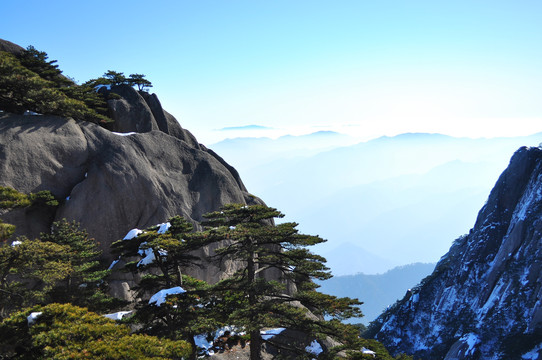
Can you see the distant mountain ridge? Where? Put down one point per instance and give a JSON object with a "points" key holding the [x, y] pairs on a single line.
{"points": [[483, 299], [418, 189], [262, 148], [377, 291], [246, 127]]}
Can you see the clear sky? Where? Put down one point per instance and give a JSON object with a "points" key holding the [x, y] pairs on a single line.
{"points": [[369, 68]]}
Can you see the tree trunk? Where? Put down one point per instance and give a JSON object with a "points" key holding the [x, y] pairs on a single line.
{"points": [[255, 345], [255, 337], [163, 268]]}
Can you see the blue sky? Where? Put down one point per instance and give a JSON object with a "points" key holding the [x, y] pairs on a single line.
{"points": [[367, 68]]}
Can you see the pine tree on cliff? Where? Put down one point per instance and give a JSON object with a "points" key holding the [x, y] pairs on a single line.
{"points": [[23, 89], [139, 81], [9, 199], [37, 62], [61, 266], [115, 77], [85, 285], [160, 253], [279, 251], [25, 261], [12, 199]]}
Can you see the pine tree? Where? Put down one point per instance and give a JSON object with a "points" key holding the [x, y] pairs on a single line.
{"points": [[115, 77], [253, 240], [90, 97], [9, 199], [12, 199], [36, 61], [159, 254], [85, 284], [26, 262], [139, 81], [6, 230], [166, 249], [22, 89], [64, 331], [62, 266], [29, 269]]}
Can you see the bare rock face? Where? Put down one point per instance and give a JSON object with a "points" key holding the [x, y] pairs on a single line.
{"points": [[10, 47], [141, 112], [483, 299], [111, 182], [131, 113]]}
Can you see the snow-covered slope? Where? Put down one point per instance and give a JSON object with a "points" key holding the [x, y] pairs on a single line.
{"points": [[484, 299]]}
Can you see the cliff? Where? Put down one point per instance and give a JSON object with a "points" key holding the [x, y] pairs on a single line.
{"points": [[483, 301], [144, 171]]}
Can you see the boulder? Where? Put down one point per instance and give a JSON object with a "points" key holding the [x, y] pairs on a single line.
{"points": [[112, 183]]}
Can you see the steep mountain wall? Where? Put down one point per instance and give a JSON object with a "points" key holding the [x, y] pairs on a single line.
{"points": [[112, 182], [484, 299]]}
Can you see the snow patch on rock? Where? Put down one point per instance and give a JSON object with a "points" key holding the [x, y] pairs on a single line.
{"points": [[33, 317], [118, 315], [160, 297]]}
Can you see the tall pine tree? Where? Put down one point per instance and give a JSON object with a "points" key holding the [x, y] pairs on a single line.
{"points": [[85, 284], [180, 307], [29, 269], [281, 252], [139, 81]]}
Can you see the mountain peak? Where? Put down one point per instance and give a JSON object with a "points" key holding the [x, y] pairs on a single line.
{"points": [[483, 299]]}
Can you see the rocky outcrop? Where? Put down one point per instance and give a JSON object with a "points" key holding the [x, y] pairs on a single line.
{"points": [[145, 172], [10, 47], [141, 112], [483, 300], [131, 112]]}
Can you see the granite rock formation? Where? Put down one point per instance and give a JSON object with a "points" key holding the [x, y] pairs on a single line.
{"points": [[10, 47], [144, 172]]}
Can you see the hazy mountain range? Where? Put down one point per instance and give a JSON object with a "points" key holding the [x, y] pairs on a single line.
{"points": [[406, 198], [376, 291]]}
